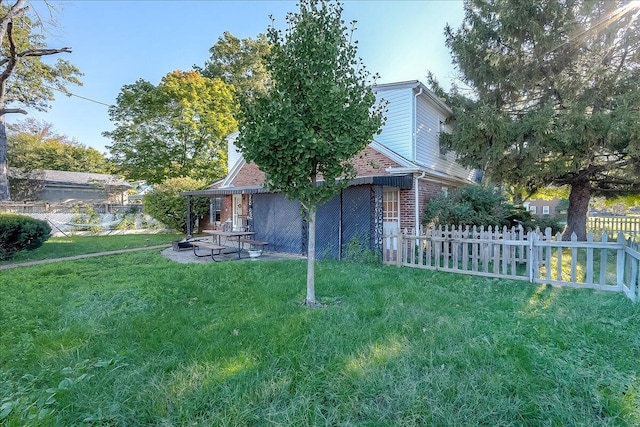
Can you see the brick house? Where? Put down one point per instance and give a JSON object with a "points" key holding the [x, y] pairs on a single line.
{"points": [[396, 173]]}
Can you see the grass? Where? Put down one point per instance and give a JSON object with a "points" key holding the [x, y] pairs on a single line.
{"points": [[137, 340], [60, 247]]}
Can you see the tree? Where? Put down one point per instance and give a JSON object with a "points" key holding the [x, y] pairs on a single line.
{"points": [[239, 62], [318, 113], [555, 97], [24, 78], [165, 204], [26, 184], [35, 145], [174, 129]]}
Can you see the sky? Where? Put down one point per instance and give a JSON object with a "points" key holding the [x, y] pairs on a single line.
{"points": [[116, 42]]}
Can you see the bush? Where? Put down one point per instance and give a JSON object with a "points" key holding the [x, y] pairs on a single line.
{"points": [[85, 213], [165, 204], [474, 205], [19, 232]]}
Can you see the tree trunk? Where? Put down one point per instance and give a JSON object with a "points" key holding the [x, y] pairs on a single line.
{"points": [[4, 166], [311, 258], [578, 208]]}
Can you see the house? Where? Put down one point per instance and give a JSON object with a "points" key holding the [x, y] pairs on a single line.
{"points": [[63, 187], [397, 172], [544, 207]]}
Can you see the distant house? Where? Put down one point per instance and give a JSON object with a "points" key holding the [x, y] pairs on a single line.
{"points": [[543, 207], [396, 173], [62, 187]]}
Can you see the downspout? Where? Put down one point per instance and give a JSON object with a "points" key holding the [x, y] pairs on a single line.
{"points": [[416, 181], [415, 124], [415, 158]]}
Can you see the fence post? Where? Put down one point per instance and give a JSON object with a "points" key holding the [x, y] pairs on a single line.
{"points": [[400, 249], [532, 256], [620, 258]]}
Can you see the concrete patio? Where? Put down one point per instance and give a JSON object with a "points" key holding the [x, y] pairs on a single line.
{"points": [[186, 256]]}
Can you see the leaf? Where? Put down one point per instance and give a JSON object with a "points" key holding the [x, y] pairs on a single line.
{"points": [[6, 408], [65, 384]]}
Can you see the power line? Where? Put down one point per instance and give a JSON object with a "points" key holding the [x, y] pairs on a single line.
{"points": [[68, 93]]}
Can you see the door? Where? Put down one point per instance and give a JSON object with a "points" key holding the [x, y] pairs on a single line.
{"points": [[237, 211], [391, 215]]}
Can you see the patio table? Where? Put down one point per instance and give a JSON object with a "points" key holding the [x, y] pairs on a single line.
{"points": [[235, 236]]}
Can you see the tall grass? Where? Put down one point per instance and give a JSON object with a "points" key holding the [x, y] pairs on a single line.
{"points": [[136, 340]]}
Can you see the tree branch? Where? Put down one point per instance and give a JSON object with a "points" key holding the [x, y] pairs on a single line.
{"points": [[15, 11], [12, 61], [43, 52], [4, 111]]}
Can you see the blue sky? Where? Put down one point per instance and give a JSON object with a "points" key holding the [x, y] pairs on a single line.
{"points": [[116, 42]]}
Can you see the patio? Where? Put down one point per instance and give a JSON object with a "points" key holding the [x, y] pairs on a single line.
{"points": [[186, 256]]}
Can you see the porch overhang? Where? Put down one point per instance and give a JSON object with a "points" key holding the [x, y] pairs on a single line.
{"points": [[403, 182], [226, 191]]}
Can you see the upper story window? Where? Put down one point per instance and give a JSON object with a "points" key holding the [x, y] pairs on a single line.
{"points": [[545, 210]]}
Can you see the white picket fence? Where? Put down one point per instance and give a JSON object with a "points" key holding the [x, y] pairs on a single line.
{"points": [[514, 254], [629, 226]]}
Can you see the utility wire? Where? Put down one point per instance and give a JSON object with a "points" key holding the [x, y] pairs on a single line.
{"points": [[66, 91]]}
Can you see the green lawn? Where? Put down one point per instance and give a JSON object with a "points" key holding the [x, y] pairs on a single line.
{"points": [[59, 247], [137, 340]]}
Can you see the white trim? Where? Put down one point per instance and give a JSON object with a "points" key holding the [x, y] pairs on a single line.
{"points": [[233, 173], [392, 155], [413, 84]]}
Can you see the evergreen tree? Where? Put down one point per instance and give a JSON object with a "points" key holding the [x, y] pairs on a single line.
{"points": [[555, 97]]}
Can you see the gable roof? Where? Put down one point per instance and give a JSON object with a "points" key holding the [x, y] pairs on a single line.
{"points": [[414, 84], [53, 177]]}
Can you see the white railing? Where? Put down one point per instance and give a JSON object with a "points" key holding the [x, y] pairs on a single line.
{"points": [[514, 254]]}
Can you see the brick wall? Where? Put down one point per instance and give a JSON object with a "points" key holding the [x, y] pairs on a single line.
{"points": [[249, 175], [368, 162], [371, 162], [426, 190]]}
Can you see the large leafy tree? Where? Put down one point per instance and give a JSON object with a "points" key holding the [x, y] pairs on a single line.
{"points": [[165, 204], [240, 62], [35, 145], [555, 97], [25, 80], [174, 129], [318, 113]]}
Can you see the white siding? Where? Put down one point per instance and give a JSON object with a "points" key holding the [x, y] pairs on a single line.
{"points": [[429, 117], [397, 131], [233, 155]]}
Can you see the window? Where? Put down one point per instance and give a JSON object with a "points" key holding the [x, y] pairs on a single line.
{"points": [[533, 209], [545, 210], [445, 191], [215, 208], [391, 205]]}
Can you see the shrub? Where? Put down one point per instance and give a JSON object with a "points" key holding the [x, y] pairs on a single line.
{"points": [[19, 232], [165, 204], [474, 205], [85, 213]]}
